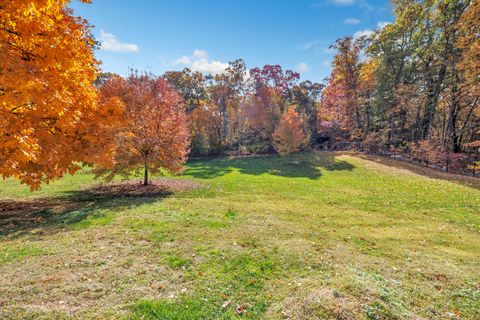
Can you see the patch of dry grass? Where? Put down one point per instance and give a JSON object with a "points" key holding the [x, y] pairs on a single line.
{"points": [[419, 169]]}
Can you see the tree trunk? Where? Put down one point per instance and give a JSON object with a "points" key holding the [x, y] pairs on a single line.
{"points": [[448, 160], [434, 90], [145, 175], [313, 127]]}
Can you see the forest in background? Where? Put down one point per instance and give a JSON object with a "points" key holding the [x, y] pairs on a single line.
{"points": [[410, 89]]}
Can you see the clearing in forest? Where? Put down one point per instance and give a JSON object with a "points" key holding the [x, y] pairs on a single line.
{"points": [[314, 235]]}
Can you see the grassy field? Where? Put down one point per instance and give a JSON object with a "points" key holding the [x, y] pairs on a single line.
{"points": [[314, 236]]}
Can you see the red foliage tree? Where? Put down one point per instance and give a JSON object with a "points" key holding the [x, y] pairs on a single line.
{"points": [[154, 134], [272, 76], [340, 97]]}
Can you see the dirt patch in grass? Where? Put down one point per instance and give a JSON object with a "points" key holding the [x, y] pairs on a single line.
{"points": [[320, 303], [131, 188]]}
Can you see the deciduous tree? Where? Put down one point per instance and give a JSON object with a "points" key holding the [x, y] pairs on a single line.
{"points": [[154, 134], [49, 116], [190, 84], [340, 99], [288, 136]]}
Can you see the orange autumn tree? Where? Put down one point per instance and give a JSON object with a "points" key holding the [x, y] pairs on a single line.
{"points": [[288, 136], [154, 133], [49, 116], [469, 43], [340, 99]]}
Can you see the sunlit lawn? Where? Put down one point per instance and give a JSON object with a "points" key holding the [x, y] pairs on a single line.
{"points": [[314, 236]]}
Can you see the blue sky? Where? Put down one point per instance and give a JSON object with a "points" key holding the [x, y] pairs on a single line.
{"points": [[204, 35]]}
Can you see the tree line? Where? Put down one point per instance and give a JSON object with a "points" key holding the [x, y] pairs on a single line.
{"points": [[238, 111], [412, 88]]}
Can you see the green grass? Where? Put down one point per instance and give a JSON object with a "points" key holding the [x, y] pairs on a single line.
{"points": [[314, 236]]}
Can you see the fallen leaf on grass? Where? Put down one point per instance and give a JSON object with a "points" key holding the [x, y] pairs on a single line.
{"points": [[240, 309]]}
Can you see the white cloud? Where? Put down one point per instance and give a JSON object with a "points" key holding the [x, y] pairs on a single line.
{"points": [[199, 61], [213, 67], [109, 42], [302, 67], [200, 54], [367, 7], [343, 2], [363, 4], [309, 45], [369, 32], [363, 33], [351, 21], [382, 24], [182, 60]]}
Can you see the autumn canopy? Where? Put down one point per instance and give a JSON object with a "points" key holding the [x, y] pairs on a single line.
{"points": [[49, 116], [152, 134], [410, 87]]}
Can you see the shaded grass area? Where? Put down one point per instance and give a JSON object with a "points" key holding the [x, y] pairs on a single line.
{"points": [[83, 207], [288, 167], [313, 236]]}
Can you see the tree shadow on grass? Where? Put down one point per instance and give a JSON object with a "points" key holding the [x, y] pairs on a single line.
{"points": [[302, 165], [21, 216]]}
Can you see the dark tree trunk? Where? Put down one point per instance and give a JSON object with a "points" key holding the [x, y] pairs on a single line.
{"points": [[313, 127], [145, 175], [452, 128], [434, 90], [452, 121]]}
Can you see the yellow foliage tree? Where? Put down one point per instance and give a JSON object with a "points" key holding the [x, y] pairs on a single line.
{"points": [[49, 115]]}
